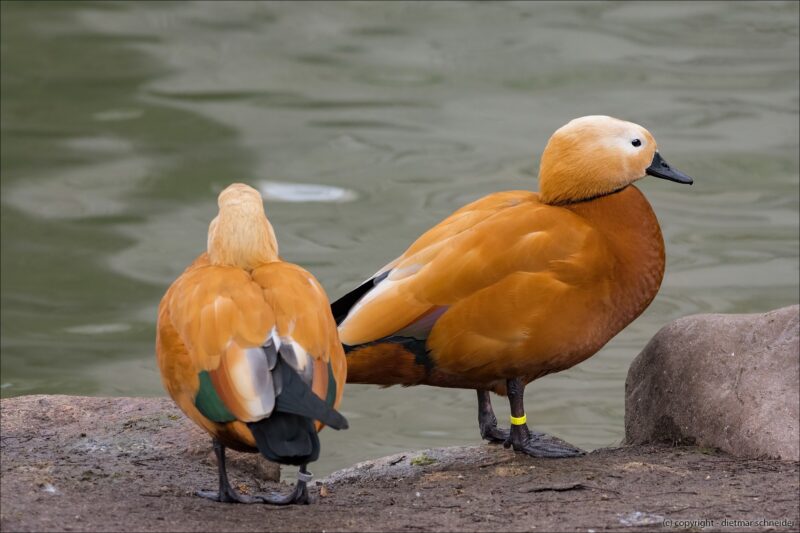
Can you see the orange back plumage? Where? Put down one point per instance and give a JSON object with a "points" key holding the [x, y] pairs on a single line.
{"points": [[234, 316]]}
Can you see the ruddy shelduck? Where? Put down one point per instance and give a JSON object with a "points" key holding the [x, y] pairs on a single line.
{"points": [[519, 284], [248, 348]]}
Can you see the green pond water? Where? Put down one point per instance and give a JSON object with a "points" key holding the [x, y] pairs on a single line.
{"points": [[364, 124]]}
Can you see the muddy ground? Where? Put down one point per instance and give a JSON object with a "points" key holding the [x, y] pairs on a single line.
{"points": [[132, 464]]}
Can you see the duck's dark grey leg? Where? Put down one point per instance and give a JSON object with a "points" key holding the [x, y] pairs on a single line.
{"points": [[487, 422], [522, 439], [226, 493]]}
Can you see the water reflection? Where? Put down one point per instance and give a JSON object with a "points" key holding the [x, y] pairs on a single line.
{"points": [[280, 191]]}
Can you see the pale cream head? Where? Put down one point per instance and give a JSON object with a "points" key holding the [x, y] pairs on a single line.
{"points": [[240, 194], [593, 156], [241, 235]]}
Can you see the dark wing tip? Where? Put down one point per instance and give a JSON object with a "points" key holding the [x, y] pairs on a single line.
{"points": [[341, 307], [336, 420], [298, 398]]}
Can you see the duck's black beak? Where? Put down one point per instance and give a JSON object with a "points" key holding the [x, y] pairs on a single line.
{"points": [[660, 169]]}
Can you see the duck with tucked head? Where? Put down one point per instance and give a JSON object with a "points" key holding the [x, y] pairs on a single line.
{"points": [[248, 349], [519, 284]]}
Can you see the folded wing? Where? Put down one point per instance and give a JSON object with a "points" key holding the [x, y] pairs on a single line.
{"points": [[256, 343], [482, 245]]}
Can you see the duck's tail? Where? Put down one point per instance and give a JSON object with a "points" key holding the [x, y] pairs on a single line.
{"points": [[289, 435], [287, 438]]}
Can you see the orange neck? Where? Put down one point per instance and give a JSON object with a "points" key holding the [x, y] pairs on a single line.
{"points": [[628, 222]]}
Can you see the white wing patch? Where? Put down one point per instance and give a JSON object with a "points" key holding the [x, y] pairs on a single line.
{"points": [[297, 357], [247, 373], [263, 401], [276, 339], [384, 286]]}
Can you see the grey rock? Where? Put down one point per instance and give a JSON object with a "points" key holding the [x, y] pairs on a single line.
{"points": [[725, 381]]}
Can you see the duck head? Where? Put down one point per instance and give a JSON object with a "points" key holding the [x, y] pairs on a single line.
{"points": [[241, 235], [595, 156]]}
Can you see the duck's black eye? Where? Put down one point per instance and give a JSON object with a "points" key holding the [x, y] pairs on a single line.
{"points": [[636, 142]]}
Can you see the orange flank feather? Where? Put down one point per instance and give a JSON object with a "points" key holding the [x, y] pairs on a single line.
{"points": [[244, 338], [518, 284]]}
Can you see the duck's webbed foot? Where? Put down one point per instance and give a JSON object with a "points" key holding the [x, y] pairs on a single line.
{"points": [[298, 496], [538, 444], [494, 434], [228, 494], [533, 443]]}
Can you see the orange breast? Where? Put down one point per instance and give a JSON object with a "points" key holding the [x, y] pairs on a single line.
{"points": [[534, 323]]}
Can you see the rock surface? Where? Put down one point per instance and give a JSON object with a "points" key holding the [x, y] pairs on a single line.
{"points": [[133, 464], [726, 381]]}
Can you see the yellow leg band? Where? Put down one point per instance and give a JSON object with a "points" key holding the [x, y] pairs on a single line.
{"points": [[518, 420]]}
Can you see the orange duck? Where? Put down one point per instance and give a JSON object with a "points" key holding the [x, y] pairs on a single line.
{"points": [[519, 284], [248, 349]]}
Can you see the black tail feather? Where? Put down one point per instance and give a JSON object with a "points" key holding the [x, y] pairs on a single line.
{"points": [[286, 438]]}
